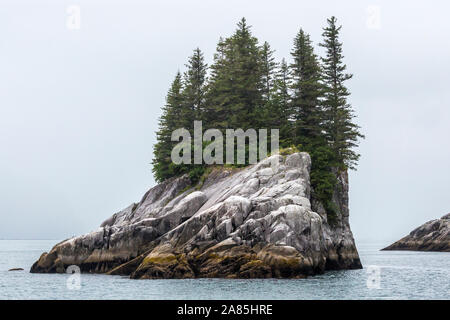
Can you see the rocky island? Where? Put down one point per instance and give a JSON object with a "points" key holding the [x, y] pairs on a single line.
{"points": [[250, 222], [434, 235]]}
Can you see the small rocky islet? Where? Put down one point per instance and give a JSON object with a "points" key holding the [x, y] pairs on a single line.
{"points": [[254, 222], [433, 235]]}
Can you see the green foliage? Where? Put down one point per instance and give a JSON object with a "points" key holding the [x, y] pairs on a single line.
{"points": [[245, 87], [289, 150], [194, 90], [342, 133], [195, 173], [307, 89], [309, 130], [277, 110], [234, 95], [323, 180], [168, 122], [185, 103], [268, 67]]}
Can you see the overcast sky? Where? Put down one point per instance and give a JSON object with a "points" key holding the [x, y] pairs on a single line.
{"points": [[79, 108]]}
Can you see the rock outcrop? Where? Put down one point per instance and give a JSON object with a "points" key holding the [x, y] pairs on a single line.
{"points": [[431, 236], [237, 223]]}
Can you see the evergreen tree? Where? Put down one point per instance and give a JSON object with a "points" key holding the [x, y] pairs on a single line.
{"points": [[235, 95], [307, 90], [310, 118], [169, 121], [278, 111], [194, 90], [342, 133], [268, 67], [216, 113], [283, 82], [248, 89]]}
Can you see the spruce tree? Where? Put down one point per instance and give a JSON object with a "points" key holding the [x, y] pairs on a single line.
{"points": [[169, 121], [342, 133], [246, 77], [235, 95], [247, 89], [218, 88], [307, 90], [309, 120], [194, 90], [278, 111], [268, 67]]}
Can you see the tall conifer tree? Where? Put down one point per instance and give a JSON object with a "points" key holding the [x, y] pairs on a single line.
{"points": [[268, 67], [278, 111], [307, 90], [343, 133], [216, 111], [194, 90], [247, 89], [169, 121], [310, 118], [235, 95]]}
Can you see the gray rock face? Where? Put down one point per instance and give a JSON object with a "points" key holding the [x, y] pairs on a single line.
{"points": [[431, 236], [248, 223]]}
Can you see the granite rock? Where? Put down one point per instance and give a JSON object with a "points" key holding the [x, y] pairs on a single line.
{"points": [[254, 222], [434, 235]]}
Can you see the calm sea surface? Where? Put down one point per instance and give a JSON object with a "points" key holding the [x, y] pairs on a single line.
{"points": [[386, 275]]}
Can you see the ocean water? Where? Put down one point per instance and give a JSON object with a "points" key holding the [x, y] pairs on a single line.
{"points": [[386, 275]]}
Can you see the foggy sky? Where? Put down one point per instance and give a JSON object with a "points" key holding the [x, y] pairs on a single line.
{"points": [[79, 108]]}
